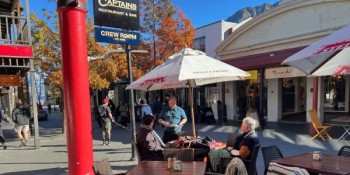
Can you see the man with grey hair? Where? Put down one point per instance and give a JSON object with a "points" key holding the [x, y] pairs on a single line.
{"points": [[21, 117], [245, 143], [243, 146]]}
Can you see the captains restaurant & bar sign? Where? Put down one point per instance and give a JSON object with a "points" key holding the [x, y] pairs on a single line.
{"points": [[122, 14]]}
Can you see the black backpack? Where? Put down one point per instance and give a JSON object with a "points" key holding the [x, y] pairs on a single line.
{"points": [[102, 112]]}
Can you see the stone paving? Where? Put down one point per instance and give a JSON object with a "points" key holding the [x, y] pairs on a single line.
{"points": [[51, 158]]}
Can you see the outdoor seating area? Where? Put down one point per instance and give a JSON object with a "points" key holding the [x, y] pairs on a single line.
{"points": [[273, 158]]}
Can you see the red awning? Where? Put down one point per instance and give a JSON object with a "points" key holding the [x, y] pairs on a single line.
{"points": [[264, 60]]}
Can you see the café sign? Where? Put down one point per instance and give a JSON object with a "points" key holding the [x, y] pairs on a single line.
{"points": [[117, 36], [122, 14], [283, 72]]}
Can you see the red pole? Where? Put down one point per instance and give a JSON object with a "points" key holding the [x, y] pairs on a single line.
{"points": [[76, 87]]}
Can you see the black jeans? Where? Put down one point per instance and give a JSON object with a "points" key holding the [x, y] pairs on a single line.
{"points": [[2, 138]]}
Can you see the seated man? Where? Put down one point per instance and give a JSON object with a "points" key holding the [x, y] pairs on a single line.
{"points": [[243, 146], [149, 144]]}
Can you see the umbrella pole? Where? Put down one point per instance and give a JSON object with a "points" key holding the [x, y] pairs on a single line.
{"points": [[192, 112]]}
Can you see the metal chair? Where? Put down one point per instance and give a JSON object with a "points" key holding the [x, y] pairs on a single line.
{"points": [[344, 151], [270, 153], [186, 154]]}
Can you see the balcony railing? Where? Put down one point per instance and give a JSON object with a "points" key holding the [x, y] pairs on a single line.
{"points": [[14, 30]]}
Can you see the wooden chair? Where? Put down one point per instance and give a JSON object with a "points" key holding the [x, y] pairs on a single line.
{"points": [[186, 154], [321, 130], [270, 153], [344, 151], [103, 167], [252, 161]]}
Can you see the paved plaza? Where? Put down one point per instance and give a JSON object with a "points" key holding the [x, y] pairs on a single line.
{"points": [[51, 158]]}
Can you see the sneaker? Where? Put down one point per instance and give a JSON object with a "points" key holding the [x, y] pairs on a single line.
{"points": [[5, 147], [107, 143], [103, 143], [25, 143], [20, 145]]}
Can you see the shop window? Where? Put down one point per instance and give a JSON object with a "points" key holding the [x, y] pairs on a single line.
{"points": [[334, 93], [199, 44]]}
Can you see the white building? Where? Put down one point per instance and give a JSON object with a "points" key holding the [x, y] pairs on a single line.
{"points": [[260, 46], [207, 38]]}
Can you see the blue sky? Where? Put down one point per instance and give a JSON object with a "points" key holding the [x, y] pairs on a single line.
{"points": [[200, 12]]}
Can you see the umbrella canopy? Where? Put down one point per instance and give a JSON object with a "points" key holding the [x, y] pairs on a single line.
{"points": [[188, 68], [329, 56]]}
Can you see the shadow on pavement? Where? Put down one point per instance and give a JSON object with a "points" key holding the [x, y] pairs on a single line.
{"points": [[56, 171]]}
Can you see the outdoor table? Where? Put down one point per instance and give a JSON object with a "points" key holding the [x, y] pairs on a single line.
{"points": [[160, 167], [329, 164], [345, 123], [200, 153]]}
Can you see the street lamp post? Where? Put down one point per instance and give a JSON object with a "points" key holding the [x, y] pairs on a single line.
{"points": [[128, 52]]}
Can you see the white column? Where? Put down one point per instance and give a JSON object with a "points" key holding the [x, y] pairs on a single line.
{"points": [[309, 96], [229, 100], [274, 100]]}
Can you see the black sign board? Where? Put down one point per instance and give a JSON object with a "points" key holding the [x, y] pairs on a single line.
{"points": [[117, 36], [122, 14]]}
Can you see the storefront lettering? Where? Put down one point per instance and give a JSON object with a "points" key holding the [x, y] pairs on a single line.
{"points": [[334, 47], [283, 72], [118, 4]]}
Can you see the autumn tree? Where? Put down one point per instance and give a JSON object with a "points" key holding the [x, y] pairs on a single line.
{"points": [[165, 30], [46, 45]]}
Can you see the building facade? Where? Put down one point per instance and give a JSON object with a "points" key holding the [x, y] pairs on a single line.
{"points": [[207, 38], [260, 45], [16, 53]]}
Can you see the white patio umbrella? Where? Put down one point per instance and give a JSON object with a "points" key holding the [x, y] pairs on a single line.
{"points": [[186, 69], [329, 56]]}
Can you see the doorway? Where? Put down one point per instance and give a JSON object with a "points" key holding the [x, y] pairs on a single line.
{"points": [[293, 99]]}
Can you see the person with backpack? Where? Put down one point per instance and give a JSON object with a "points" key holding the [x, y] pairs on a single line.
{"points": [[21, 117], [106, 118]]}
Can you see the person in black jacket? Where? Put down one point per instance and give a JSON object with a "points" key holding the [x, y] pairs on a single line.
{"points": [[21, 117]]}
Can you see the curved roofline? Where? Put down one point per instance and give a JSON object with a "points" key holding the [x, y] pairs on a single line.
{"points": [[288, 6]]}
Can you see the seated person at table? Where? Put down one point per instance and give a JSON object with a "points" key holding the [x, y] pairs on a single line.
{"points": [[243, 146], [172, 117], [149, 144]]}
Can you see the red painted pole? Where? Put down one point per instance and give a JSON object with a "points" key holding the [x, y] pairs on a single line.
{"points": [[76, 88]]}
